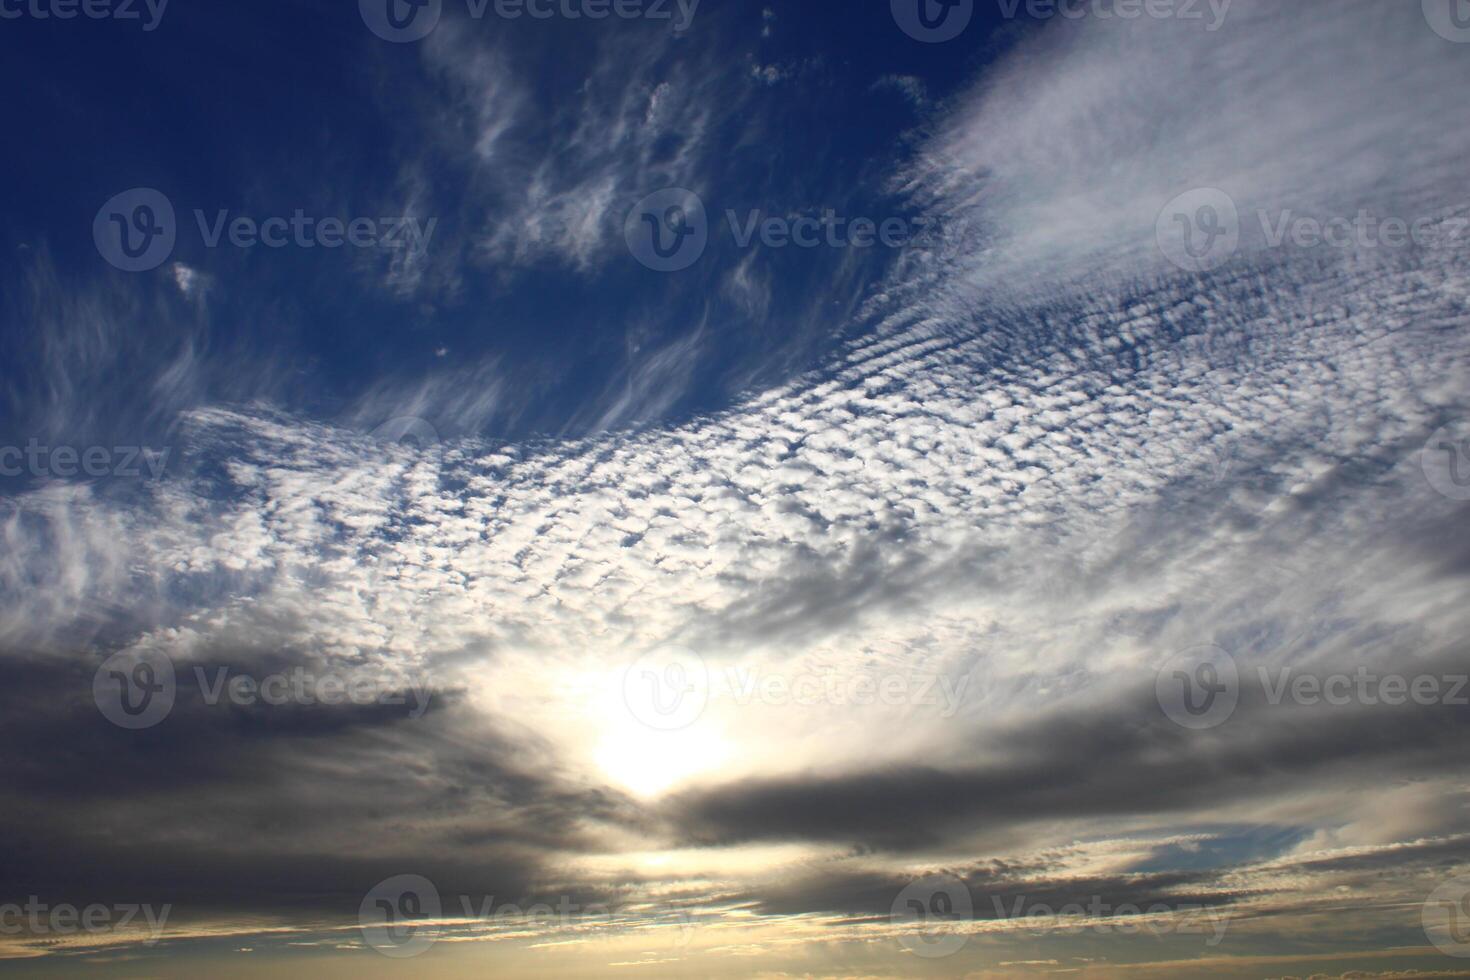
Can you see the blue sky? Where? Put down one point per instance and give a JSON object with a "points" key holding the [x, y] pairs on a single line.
{"points": [[213, 117], [807, 493]]}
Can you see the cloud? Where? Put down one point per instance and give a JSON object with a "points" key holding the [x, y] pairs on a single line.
{"points": [[1007, 470], [640, 122], [1068, 150], [909, 86]]}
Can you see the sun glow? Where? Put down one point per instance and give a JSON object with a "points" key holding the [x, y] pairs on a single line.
{"points": [[648, 762]]}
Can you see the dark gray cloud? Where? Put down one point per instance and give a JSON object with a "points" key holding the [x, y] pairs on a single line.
{"points": [[1046, 463], [262, 808], [1123, 758]]}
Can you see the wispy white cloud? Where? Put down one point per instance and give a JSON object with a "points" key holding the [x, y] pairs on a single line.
{"points": [[1010, 478], [638, 123]]}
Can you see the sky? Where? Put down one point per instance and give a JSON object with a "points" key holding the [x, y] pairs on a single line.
{"points": [[585, 488]]}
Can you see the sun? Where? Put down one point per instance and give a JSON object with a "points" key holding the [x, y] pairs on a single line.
{"points": [[647, 762]]}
